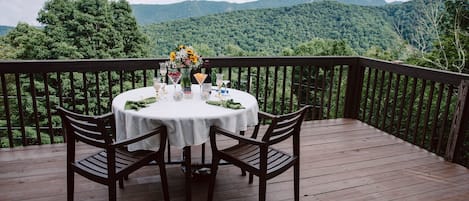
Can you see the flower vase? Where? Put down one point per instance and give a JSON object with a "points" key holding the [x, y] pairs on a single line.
{"points": [[186, 81]]}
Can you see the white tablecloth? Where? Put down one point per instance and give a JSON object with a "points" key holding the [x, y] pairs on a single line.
{"points": [[188, 121]]}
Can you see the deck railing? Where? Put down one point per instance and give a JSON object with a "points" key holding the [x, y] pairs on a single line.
{"points": [[426, 107]]}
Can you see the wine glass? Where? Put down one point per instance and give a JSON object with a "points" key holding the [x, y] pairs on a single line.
{"points": [[225, 83], [163, 72], [200, 77], [219, 82], [157, 85], [174, 76], [163, 68]]}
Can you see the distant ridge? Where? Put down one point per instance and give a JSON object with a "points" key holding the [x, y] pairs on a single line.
{"points": [[5, 29], [269, 31], [147, 14]]}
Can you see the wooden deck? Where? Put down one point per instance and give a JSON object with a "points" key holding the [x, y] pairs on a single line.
{"points": [[341, 159]]}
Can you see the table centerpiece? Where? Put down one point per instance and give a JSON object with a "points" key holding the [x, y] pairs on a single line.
{"points": [[184, 59]]}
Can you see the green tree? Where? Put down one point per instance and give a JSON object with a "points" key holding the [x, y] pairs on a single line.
{"points": [[91, 29], [28, 41], [455, 37], [445, 23], [204, 50], [321, 47], [317, 74], [134, 41], [6, 50]]}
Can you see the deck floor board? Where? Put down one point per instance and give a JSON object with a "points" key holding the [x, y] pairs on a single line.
{"points": [[341, 159]]}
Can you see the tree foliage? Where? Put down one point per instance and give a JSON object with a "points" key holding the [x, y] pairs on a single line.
{"points": [[438, 30], [81, 29], [321, 47], [270, 31], [28, 41], [147, 14]]}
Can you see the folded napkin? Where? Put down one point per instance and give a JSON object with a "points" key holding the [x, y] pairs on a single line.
{"points": [[226, 103], [137, 105]]}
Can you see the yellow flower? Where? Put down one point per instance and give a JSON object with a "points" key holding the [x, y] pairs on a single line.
{"points": [[190, 51], [181, 47], [172, 56], [194, 58]]}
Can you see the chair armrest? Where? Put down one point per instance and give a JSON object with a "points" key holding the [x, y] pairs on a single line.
{"points": [[240, 138], [157, 131], [109, 116], [265, 115]]}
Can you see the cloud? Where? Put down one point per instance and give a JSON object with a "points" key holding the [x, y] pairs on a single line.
{"points": [[12, 12]]}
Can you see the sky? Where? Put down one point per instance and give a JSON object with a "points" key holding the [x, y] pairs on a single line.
{"points": [[14, 11]]}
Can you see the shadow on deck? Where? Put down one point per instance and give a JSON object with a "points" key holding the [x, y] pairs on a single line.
{"points": [[341, 159]]}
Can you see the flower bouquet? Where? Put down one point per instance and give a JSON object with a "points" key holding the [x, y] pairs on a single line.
{"points": [[184, 59]]}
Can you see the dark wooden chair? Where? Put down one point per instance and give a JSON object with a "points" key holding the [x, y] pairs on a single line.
{"points": [[113, 163], [258, 157]]}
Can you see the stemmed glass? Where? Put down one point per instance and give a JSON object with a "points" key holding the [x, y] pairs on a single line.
{"points": [[163, 72], [225, 83], [200, 77], [157, 85], [174, 76], [219, 83]]}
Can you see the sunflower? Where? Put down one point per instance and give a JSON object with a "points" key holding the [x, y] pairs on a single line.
{"points": [[172, 56], [194, 58], [190, 51]]}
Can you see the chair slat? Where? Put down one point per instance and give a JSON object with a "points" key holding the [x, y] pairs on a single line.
{"points": [[95, 131], [248, 154]]}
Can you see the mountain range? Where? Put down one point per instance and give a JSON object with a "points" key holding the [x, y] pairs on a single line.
{"points": [[269, 31], [4, 29], [279, 26], [147, 14]]}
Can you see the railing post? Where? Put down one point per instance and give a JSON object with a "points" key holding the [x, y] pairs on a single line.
{"points": [[458, 126], [356, 73]]}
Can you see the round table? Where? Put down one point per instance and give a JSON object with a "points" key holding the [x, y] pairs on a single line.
{"points": [[188, 121]]}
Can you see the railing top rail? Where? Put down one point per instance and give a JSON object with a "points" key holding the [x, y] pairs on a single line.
{"points": [[436, 75], [78, 65], [282, 61], [94, 65]]}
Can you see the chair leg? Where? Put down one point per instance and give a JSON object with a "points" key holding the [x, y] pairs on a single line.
{"points": [[70, 185], [251, 178], [112, 191], [188, 173], [243, 172], [213, 171], [296, 181], [262, 188], [164, 178], [121, 183]]}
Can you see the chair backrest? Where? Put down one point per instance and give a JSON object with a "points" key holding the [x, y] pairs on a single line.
{"points": [[284, 126], [92, 130]]}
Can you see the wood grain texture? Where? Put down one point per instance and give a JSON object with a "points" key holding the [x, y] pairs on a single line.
{"points": [[341, 159]]}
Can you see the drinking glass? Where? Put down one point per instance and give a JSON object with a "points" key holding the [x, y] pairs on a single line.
{"points": [[206, 88], [219, 82], [225, 83], [163, 68], [157, 85], [200, 77], [174, 76], [163, 71]]}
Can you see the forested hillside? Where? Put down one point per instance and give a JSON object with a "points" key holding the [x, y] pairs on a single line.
{"points": [[404, 18], [270, 31], [147, 14]]}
